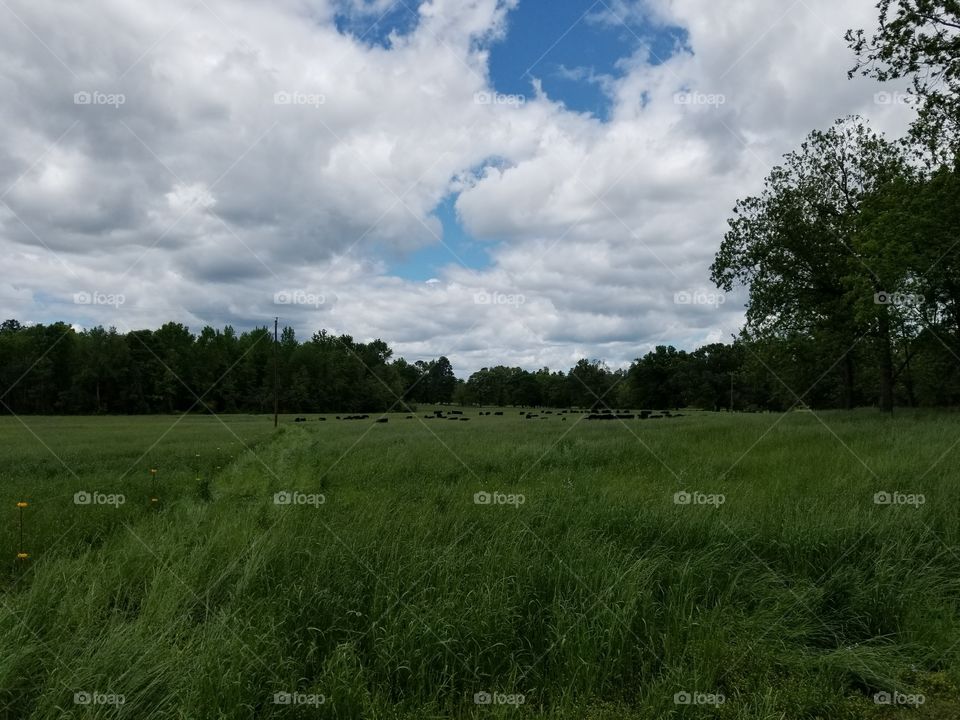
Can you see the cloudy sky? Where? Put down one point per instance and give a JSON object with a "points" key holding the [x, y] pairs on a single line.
{"points": [[523, 182]]}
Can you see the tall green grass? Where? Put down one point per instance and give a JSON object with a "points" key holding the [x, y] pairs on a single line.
{"points": [[46, 461], [400, 597]]}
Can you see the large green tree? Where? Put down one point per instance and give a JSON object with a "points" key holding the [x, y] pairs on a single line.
{"points": [[792, 246]]}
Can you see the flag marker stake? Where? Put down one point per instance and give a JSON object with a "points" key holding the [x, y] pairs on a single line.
{"points": [[21, 554]]}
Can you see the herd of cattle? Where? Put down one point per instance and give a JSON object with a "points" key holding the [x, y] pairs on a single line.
{"points": [[458, 416]]}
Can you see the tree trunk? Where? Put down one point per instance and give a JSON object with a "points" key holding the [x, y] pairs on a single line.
{"points": [[886, 363], [848, 381], [955, 295]]}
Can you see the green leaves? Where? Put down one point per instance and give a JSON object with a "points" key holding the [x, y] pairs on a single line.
{"points": [[919, 40]]}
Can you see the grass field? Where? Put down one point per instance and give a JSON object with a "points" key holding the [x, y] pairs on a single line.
{"points": [[586, 588]]}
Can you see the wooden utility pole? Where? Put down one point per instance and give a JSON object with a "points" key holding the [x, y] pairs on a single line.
{"points": [[276, 376]]}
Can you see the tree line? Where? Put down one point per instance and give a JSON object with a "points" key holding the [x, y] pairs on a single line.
{"points": [[56, 369]]}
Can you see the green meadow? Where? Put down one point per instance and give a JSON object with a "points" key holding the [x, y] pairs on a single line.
{"points": [[750, 567]]}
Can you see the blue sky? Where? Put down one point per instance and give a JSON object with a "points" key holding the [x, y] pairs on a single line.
{"points": [[458, 247], [570, 46], [566, 45]]}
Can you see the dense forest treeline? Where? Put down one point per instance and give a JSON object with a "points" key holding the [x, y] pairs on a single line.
{"points": [[55, 369]]}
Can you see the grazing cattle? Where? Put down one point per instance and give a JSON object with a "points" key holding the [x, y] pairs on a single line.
{"points": [[382, 420], [496, 413]]}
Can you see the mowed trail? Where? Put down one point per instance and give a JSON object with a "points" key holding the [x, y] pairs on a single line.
{"points": [[505, 568]]}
